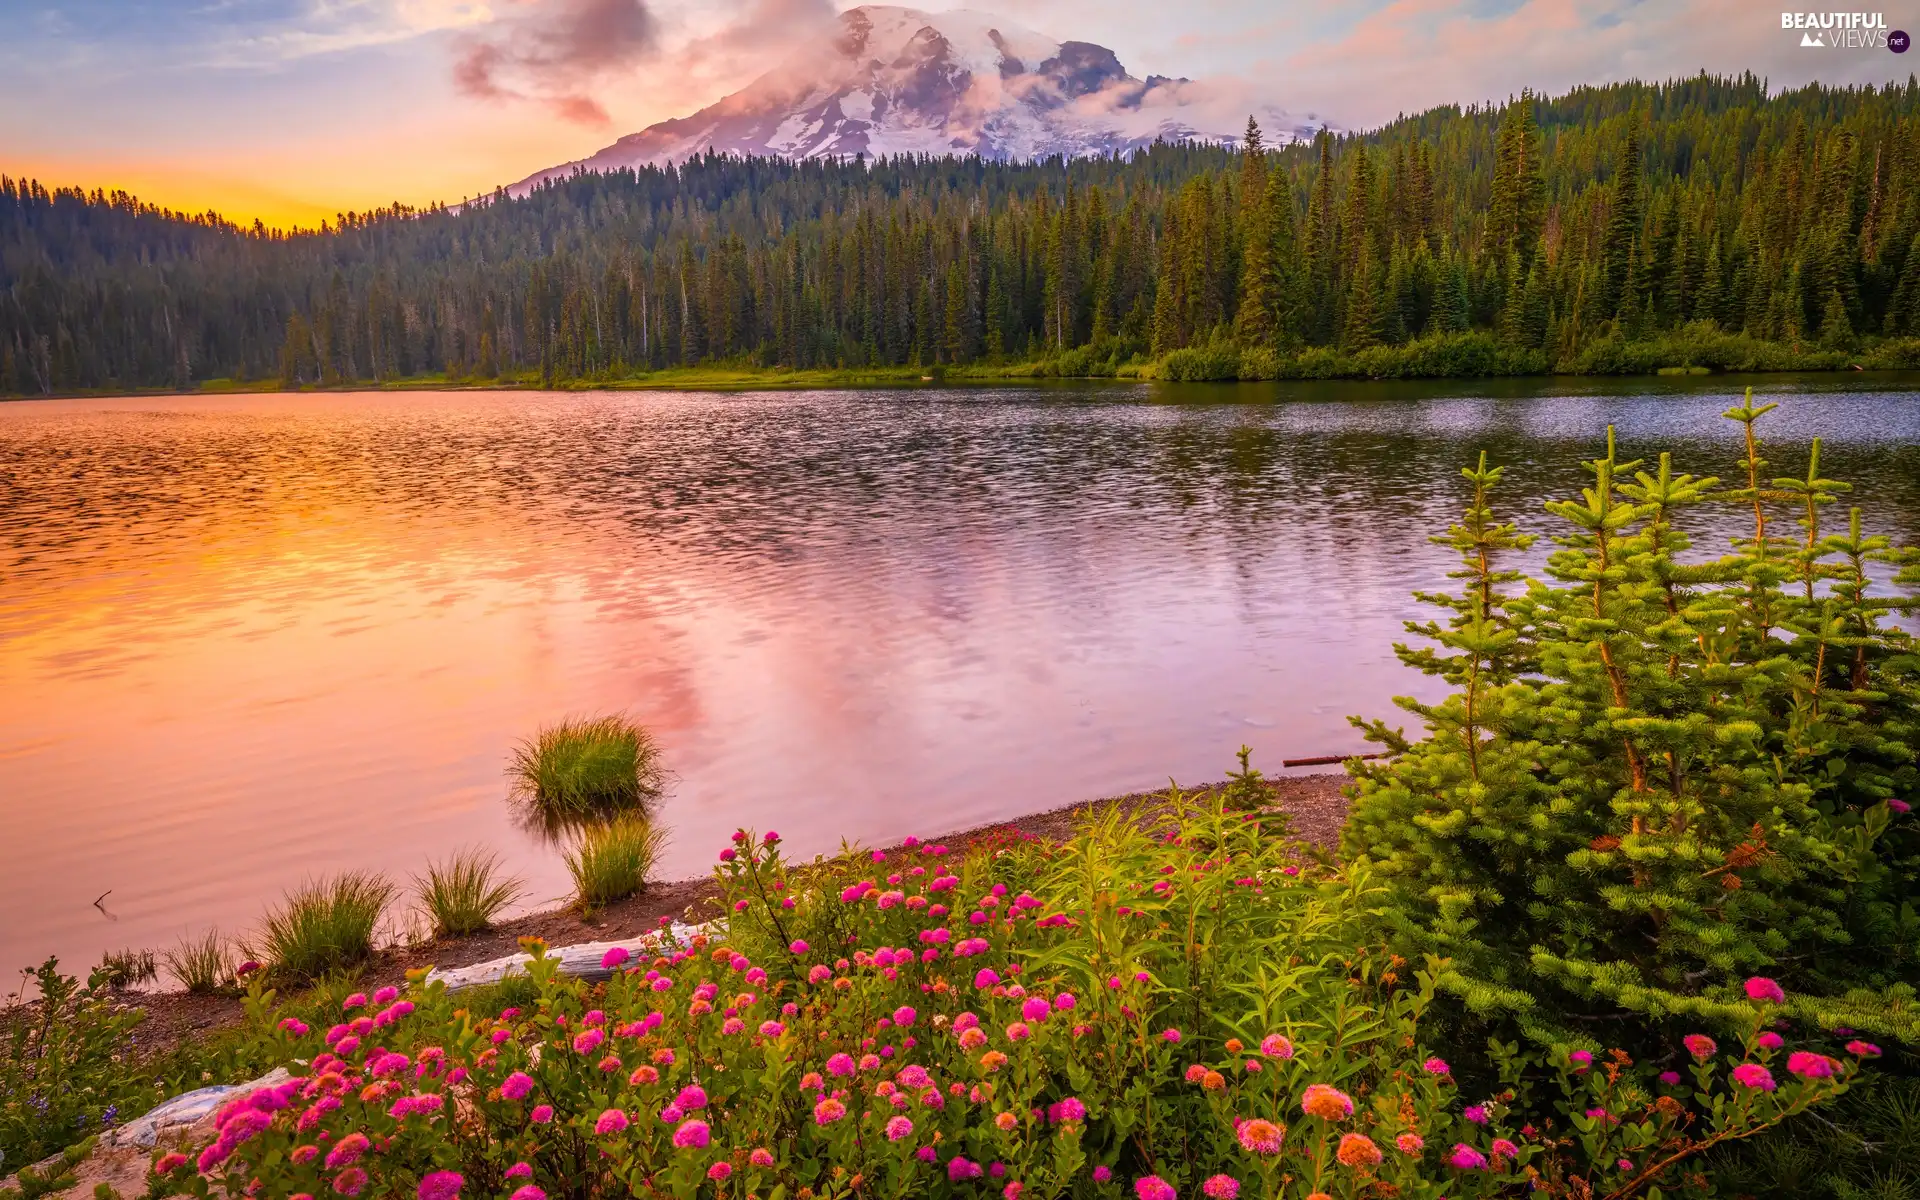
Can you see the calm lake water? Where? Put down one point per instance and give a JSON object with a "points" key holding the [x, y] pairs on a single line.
{"points": [[245, 640]]}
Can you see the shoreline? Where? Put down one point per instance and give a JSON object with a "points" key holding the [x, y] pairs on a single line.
{"points": [[750, 379], [1314, 802]]}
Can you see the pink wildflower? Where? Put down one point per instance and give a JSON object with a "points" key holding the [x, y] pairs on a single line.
{"points": [[439, 1185], [1700, 1045], [350, 1181], [761, 1157], [527, 1191], [1808, 1065], [541, 1114], [1753, 1075], [1276, 1046], [691, 1097], [516, 1086], [1152, 1187], [347, 1150], [1466, 1158], [899, 1127], [828, 1111], [1762, 990], [1863, 1049], [1769, 1041], [611, 1121], [692, 1135], [1102, 1173], [1221, 1187], [1409, 1143], [1436, 1066], [1260, 1136]]}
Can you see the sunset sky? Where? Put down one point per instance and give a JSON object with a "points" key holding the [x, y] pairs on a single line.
{"points": [[292, 110]]}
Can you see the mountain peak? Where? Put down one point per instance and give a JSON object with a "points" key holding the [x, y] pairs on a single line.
{"points": [[895, 80]]}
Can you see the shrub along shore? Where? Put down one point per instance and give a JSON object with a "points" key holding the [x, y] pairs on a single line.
{"points": [[1468, 355], [1636, 896]]}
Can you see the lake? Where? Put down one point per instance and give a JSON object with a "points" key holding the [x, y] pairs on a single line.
{"points": [[250, 639]]}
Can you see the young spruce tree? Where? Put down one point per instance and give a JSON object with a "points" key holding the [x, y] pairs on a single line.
{"points": [[1659, 773]]}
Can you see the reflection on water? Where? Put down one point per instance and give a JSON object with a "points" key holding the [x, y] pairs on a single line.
{"points": [[244, 640]]}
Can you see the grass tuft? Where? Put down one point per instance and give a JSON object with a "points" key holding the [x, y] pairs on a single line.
{"points": [[324, 926], [613, 861], [587, 768], [122, 969], [203, 965], [464, 893]]}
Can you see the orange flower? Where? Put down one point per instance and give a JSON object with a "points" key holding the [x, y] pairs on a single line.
{"points": [[1327, 1102], [1357, 1150], [1235, 1045], [1213, 1081], [1006, 1122], [993, 1060]]}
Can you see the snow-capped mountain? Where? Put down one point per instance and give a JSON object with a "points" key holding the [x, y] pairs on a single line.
{"points": [[894, 80]]}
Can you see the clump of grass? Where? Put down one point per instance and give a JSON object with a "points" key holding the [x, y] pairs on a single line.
{"points": [[123, 969], [203, 965], [464, 893], [587, 768], [613, 861], [324, 926]]}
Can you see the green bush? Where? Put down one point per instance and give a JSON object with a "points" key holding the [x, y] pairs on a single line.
{"points": [[61, 1072], [464, 893], [1201, 364], [1150, 1008], [613, 861], [1660, 771], [203, 965], [324, 926], [587, 768]]}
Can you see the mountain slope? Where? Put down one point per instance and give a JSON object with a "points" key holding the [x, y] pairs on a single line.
{"points": [[892, 80]]}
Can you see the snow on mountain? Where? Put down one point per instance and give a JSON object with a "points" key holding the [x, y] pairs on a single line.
{"points": [[893, 80]]}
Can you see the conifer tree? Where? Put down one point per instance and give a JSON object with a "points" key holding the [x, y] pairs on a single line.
{"points": [[1651, 779]]}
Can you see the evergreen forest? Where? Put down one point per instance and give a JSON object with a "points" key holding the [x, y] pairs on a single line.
{"points": [[1705, 223]]}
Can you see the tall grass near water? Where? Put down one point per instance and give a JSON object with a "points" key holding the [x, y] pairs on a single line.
{"points": [[463, 893], [324, 925], [613, 861], [586, 768]]}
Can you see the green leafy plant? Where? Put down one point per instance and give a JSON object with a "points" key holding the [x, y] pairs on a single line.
{"points": [[463, 893], [63, 1068], [203, 965], [325, 925], [1658, 772], [613, 861], [587, 768]]}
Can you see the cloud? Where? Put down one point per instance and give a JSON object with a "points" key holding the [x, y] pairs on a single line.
{"points": [[555, 52], [1409, 55]]}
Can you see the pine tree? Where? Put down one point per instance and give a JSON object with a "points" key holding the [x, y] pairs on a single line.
{"points": [[1620, 245], [1628, 804]]}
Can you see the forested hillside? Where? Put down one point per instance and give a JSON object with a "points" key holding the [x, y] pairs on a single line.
{"points": [[1608, 229]]}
